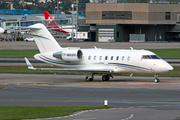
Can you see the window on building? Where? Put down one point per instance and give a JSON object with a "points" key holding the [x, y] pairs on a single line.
{"points": [[167, 15], [116, 14], [105, 15]]}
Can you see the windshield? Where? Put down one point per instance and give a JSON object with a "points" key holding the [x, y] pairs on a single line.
{"points": [[150, 57]]}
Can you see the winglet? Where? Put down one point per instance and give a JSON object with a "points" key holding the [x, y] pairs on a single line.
{"points": [[29, 64], [131, 48]]}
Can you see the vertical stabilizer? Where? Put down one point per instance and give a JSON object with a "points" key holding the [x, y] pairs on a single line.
{"points": [[51, 23], [43, 38]]}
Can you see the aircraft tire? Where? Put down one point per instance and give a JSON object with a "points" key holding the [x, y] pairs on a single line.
{"points": [[156, 80], [87, 79], [90, 79], [105, 78]]}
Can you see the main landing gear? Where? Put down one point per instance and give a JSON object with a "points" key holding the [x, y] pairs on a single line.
{"points": [[104, 77], [156, 80]]}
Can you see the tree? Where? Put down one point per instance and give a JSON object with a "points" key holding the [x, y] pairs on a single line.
{"points": [[82, 6], [67, 5], [4, 6]]}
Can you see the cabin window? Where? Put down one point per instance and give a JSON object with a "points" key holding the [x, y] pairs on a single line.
{"points": [[128, 58], [94, 57], [100, 57], [117, 58], [106, 57], [122, 58], [111, 57], [89, 58]]}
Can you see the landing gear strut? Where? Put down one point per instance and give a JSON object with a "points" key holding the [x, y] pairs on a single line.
{"points": [[90, 77], [106, 77], [156, 80]]}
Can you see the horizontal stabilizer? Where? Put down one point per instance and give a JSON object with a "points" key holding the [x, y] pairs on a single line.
{"points": [[29, 64]]}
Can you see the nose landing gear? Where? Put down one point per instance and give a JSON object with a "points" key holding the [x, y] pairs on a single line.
{"points": [[156, 80]]}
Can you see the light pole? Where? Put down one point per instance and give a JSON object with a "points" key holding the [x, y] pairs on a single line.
{"points": [[73, 5], [57, 9], [19, 20], [76, 18], [72, 34]]}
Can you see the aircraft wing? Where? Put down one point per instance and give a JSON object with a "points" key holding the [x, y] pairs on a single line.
{"points": [[69, 70]]}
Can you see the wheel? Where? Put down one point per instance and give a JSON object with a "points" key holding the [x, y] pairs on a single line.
{"points": [[108, 77], [87, 79], [156, 80], [90, 79], [105, 77]]}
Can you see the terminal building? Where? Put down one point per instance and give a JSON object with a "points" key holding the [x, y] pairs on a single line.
{"points": [[133, 21]]}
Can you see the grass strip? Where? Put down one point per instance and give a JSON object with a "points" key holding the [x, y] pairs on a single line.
{"points": [[25, 70], [19, 112], [167, 53], [17, 53], [163, 53]]}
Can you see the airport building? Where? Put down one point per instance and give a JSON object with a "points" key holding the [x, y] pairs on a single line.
{"points": [[133, 21], [10, 22]]}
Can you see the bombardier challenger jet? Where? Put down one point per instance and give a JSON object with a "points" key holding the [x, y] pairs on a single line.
{"points": [[94, 60]]}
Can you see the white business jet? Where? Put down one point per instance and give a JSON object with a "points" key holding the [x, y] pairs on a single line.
{"points": [[94, 61]]}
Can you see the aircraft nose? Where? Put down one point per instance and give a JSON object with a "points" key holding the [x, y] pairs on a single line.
{"points": [[170, 68]]}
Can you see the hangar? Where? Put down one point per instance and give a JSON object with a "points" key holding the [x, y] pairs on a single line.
{"points": [[133, 21]]}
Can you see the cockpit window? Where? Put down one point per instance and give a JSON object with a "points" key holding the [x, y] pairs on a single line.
{"points": [[150, 57], [155, 57], [146, 57]]}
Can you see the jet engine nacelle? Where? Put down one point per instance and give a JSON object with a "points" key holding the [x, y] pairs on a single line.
{"points": [[69, 55]]}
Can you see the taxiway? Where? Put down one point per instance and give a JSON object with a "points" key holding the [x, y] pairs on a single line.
{"points": [[136, 98]]}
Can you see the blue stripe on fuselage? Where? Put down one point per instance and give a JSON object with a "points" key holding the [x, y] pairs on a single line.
{"points": [[119, 64], [40, 36]]}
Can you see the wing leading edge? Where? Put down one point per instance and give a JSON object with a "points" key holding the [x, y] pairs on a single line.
{"points": [[69, 70]]}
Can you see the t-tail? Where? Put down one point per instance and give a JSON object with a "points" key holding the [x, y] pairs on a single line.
{"points": [[51, 23], [44, 40]]}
